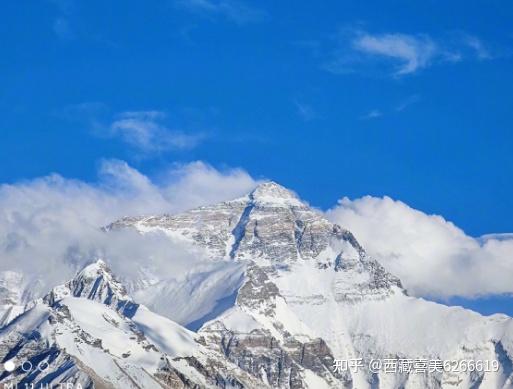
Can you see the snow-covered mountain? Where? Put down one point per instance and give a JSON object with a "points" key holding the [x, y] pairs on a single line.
{"points": [[287, 297], [89, 333]]}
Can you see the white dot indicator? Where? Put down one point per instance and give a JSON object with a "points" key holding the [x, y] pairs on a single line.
{"points": [[9, 366]]}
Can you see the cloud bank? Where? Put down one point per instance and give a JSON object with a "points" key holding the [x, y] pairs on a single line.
{"points": [[432, 256], [50, 227]]}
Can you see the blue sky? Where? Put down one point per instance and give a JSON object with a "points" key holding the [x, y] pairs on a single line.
{"points": [[255, 80], [341, 98]]}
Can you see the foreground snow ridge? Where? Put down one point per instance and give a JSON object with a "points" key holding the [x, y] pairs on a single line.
{"points": [[288, 298]]}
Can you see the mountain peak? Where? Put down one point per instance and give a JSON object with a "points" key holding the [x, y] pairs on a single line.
{"points": [[95, 268], [270, 192], [95, 282]]}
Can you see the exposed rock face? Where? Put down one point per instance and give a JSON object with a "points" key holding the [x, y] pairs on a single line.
{"points": [[270, 222], [267, 349], [96, 282]]}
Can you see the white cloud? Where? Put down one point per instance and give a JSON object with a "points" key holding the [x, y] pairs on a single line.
{"points": [[236, 11], [359, 50], [412, 52], [404, 104], [373, 114], [478, 46], [50, 226], [432, 256], [145, 131], [413, 99], [198, 184]]}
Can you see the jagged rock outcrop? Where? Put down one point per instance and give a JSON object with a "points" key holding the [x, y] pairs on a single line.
{"points": [[253, 335], [96, 282]]}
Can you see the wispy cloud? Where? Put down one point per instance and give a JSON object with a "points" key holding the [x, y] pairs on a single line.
{"points": [[412, 52], [478, 46], [406, 54], [400, 107], [410, 100], [233, 10], [373, 114], [145, 131], [305, 111]]}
